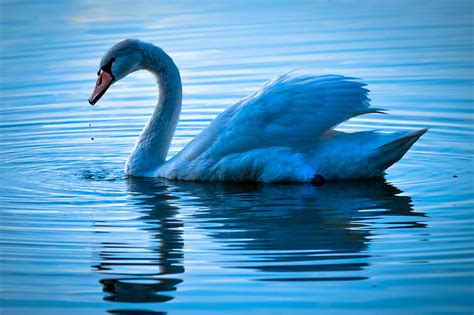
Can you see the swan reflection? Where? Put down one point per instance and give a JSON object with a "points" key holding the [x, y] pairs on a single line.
{"points": [[286, 232], [298, 232], [139, 269]]}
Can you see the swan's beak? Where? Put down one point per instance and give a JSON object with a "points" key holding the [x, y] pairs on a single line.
{"points": [[103, 82]]}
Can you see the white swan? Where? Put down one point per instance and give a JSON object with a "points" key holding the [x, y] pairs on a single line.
{"points": [[283, 132]]}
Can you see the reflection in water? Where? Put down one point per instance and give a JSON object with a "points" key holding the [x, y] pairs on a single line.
{"points": [[290, 232], [298, 228], [148, 270]]}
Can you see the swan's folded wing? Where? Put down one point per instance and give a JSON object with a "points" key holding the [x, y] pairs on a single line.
{"points": [[290, 111]]}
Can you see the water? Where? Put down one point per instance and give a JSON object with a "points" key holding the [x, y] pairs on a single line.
{"points": [[77, 236]]}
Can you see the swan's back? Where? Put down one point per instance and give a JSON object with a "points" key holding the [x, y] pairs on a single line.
{"points": [[292, 111], [277, 134]]}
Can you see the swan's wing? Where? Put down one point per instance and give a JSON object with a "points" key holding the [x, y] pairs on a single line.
{"points": [[291, 111], [266, 136]]}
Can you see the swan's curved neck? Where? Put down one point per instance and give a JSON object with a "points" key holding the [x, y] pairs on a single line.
{"points": [[152, 146]]}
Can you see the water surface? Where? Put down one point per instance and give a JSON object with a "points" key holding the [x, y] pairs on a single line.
{"points": [[78, 236]]}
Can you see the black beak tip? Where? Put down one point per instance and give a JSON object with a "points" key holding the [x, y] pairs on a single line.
{"points": [[91, 102]]}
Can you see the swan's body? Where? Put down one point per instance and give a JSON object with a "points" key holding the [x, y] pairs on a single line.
{"points": [[283, 132]]}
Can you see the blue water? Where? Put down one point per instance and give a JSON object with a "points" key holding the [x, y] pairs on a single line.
{"points": [[78, 237]]}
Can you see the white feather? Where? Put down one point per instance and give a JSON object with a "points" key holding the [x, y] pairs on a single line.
{"points": [[283, 132]]}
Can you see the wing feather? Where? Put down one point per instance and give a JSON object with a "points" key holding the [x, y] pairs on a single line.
{"points": [[290, 110]]}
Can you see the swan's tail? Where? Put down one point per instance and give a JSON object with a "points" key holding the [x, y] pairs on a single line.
{"points": [[389, 153]]}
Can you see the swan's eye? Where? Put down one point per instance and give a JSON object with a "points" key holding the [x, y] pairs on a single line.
{"points": [[107, 67]]}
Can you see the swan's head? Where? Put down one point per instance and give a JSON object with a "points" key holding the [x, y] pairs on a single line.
{"points": [[120, 60]]}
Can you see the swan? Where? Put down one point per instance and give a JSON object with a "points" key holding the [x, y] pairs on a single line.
{"points": [[283, 132]]}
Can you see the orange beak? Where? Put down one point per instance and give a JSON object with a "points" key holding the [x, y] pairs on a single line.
{"points": [[104, 81]]}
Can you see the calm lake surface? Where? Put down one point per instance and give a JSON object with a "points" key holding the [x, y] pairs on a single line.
{"points": [[78, 237]]}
